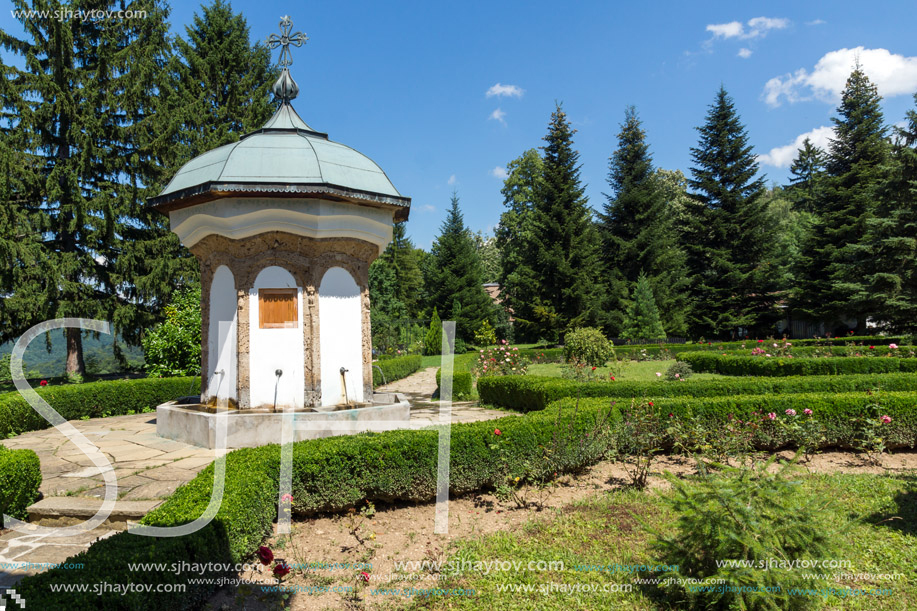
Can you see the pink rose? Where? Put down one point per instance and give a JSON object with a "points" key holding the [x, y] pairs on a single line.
{"points": [[791, 412], [807, 411], [886, 419], [772, 416]]}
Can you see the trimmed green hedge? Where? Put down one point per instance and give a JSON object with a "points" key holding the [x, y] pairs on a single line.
{"points": [[780, 366], [94, 399], [527, 393], [329, 474], [20, 478], [396, 368], [832, 410], [462, 384]]}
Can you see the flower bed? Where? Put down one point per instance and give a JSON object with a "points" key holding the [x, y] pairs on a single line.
{"points": [[92, 400], [792, 366], [528, 393]]}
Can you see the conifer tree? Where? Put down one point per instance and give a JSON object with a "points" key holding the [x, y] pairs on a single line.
{"points": [[892, 279], [836, 259], [637, 232], [806, 177], [86, 111], [727, 240], [642, 320], [515, 236], [452, 277], [402, 256], [565, 243]]}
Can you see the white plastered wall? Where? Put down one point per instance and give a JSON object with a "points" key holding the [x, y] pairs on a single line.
{"points": [[341, 344], [222, 365]]}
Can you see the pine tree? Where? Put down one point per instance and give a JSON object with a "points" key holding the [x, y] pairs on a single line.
{"points": [[637, 232], [893, 234], [642, 321], [452, 277], [806, 177], [565, 244], [88, 115], [404, 260], [836, 259], [433, 340], [727, 239], [223, 82], [515, 236]]}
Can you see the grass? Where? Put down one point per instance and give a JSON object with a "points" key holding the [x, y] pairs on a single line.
{"points": [[635, 371], [606, 530]]}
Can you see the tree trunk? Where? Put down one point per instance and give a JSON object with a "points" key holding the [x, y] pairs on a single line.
{"points": [[75, 364]]}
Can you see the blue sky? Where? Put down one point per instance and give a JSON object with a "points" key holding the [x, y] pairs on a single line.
{"points": [[407, 83]]}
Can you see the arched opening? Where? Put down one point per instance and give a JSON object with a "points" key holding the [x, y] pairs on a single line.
{"points": [[341, 333], [222, 357], [276, 340]]}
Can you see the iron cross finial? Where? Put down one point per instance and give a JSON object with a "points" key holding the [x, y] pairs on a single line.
{"points": [[286, 39]]}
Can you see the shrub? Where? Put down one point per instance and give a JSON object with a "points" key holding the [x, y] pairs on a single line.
{"points": [[527, 393], [20, 478], [396, 368], [755, 518], [433, 340], [503, 360], [92, 400], [461, 384], [173, 348], [485, 335], [329, 474], [587, 345], [757, 366], [679, 370]]}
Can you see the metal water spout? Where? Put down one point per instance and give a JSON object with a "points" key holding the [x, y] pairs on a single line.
{"points": [[344, 384], [278, 373]]}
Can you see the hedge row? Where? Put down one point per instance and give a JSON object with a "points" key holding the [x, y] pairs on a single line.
{"points": [[462, 384], [20, 478], [527, 393], [834, 411], [823, 351], [93, 400], [396, 368], [328, 475], [779, 366]]}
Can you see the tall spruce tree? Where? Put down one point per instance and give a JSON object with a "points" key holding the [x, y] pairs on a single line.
{"points": [[892, 232], [727, 240], [515, 235], [565, 244], [404, 259], [837, 259], [453, 277], [87, 112], [223, 81], [638, 235]]}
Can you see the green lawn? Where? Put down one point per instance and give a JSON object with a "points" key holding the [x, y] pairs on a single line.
{"points": [[603, 531], [637, 371]]}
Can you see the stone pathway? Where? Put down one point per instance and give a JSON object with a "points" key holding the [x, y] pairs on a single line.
{"points": [[149, 469]]}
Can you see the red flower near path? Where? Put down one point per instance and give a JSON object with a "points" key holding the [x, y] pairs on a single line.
{"points": [[364, 575], [650, 403], [265, 555], [594, 368], [43, 383], [497, 432], [612, 378], [281, 570]]}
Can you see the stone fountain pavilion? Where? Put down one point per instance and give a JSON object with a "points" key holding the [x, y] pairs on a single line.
{"points": [[285, 223]]}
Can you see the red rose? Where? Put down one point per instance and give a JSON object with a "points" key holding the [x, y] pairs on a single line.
{"points": [[612, 378], [497, 432], [265, 555], [594, 368], [281, 569], [651, 404], [43, 383], [364, 575]]}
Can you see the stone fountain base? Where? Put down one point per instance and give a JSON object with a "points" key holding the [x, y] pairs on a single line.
{"points": [[250, 428]]}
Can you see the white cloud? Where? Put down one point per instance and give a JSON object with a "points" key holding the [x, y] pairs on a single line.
{"points": [[498, 115], [510, 91], [782, 156], [816, 22], [893, 74], [427, 208], [758, 27], [744, 53], [452, 180], [499, 172]]}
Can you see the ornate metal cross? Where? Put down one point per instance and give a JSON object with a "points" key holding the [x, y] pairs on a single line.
{"points": [[286, 39]]}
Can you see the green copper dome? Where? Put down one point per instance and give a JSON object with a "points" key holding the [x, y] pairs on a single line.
{"points": [[284, 158]]}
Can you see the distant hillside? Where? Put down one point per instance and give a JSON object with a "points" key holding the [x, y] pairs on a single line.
{"points": [[98, 353]]}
